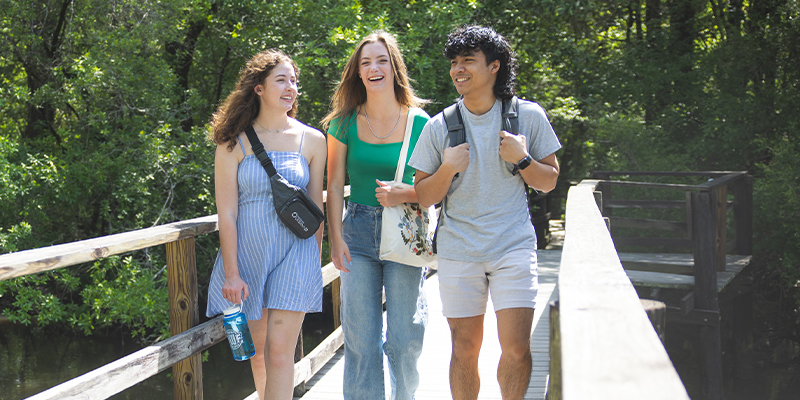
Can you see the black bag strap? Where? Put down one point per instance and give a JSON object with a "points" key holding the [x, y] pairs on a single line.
{"points": [[510, 115], [260, 153], [455, 125], [511, 125], [510, 118], [455, 122], [458, 134]]}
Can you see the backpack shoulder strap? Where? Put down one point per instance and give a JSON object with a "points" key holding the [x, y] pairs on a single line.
{"points": [[455, 125], [511, 115]]}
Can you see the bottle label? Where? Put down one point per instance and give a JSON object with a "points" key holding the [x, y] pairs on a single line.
{"points": [[235, 339]]}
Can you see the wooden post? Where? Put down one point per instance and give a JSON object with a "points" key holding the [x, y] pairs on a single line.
{"points": [[720, 207], [598, 198], [336, 299], [705, 234], [183, 315], [300, 389], [657, 314], [605, 196], [743, 331], [554, 383], [689, 214], [743, 215]]}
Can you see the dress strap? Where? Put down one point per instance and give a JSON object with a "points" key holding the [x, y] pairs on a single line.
{"points": [[242, 146], [302, 137]]}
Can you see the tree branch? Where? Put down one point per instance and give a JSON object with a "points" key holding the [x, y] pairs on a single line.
{"points": [[58, 37]]}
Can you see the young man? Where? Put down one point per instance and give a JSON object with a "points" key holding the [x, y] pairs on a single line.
{"points": [[486, 242]]}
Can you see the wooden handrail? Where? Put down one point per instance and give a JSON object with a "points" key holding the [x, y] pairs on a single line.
{"points": [[712, 174], [719, 179], [32, 261], [604, 345], [723, 182], [97, 384], [119, 375], [180, 351]]}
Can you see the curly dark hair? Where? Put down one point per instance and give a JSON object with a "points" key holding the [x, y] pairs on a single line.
{"points": [[469, 38]]}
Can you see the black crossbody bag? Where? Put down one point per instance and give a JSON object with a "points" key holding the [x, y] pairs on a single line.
{"points": [[295, 209]]}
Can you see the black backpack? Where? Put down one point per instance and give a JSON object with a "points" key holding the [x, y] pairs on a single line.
{"points": [[455, 123], [457, 133]]}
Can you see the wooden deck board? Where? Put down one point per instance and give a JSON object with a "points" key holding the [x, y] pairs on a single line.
{"points": [[735, 264], [435, 360]]}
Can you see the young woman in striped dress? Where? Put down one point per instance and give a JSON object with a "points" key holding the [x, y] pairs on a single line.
{"points": [[275, 275]]}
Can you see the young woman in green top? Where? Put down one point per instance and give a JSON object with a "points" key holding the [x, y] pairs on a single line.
{"points": [[370, 109]]}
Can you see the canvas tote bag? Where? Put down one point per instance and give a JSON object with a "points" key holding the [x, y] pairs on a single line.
{"points": [[407, 229]]}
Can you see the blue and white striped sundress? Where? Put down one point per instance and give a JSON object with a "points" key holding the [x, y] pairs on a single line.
{"points": [[281, 270]]}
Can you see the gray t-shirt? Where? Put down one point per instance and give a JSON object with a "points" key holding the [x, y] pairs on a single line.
{"points": [[485, 210]]}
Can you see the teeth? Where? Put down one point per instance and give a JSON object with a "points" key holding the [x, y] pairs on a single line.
{"points": [[461, 79], [375, 78]]}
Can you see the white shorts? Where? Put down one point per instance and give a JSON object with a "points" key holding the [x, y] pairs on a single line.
{"points": [[513, 281]]}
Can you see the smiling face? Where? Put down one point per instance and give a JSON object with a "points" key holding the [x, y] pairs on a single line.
{"points": [[472, 76], [279, 88], [375, 67]]}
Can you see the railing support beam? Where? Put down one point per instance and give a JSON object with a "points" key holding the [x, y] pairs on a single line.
{"points": [[704, 228], [719, 207], [184, 315], [554, 380], [336, 299], [743, 215]]}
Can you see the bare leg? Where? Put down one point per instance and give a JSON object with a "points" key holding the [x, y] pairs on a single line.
{"points": [[467, 337], [283, 328], [514, 370], [258, 330]]}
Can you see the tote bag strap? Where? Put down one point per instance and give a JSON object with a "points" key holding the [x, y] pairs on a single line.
{"points": [[401, 161]]}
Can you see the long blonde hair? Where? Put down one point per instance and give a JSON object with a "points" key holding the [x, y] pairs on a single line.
{"points": [[241, 106], [351, 93]]}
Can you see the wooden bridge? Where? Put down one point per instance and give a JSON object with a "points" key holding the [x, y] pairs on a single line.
{"points": [[591, 337]]}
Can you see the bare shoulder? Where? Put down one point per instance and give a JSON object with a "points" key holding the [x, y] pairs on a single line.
{"points": [[226, 154], [315, 139]]}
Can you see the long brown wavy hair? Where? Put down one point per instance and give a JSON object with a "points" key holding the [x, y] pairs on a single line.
{"points": [[242, 105], [351, 93]]}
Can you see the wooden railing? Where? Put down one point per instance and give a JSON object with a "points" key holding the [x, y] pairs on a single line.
{"points": [[183, 350], [591, 269], [602, 345], [714, 192]]}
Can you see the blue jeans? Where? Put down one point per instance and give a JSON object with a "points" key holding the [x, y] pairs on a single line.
{"points": [[362, 313]]}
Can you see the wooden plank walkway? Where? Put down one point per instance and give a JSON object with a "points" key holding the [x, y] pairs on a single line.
{"points": [[674, 262], [435, 360]]}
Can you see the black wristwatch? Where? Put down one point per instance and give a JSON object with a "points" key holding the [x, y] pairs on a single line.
{"points": [[524, 163]]}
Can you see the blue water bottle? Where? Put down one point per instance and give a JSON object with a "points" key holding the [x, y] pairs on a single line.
{"points": [[238, 333]]}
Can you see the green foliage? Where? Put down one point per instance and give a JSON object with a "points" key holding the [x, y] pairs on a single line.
{"points": [[122, 293], [102, 128], [777, 200], [103, 112], [114, 292]]}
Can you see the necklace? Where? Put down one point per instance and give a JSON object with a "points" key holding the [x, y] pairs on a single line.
{"points": [[273, 130], [400, 114]]}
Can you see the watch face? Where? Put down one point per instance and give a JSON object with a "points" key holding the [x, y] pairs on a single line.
{"points": [[524, 163]]}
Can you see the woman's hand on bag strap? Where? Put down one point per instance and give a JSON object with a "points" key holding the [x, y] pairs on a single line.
{"points": [[390, 195]]}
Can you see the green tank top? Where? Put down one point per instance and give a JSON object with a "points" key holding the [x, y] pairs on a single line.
{"points": [[367, 162]]}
